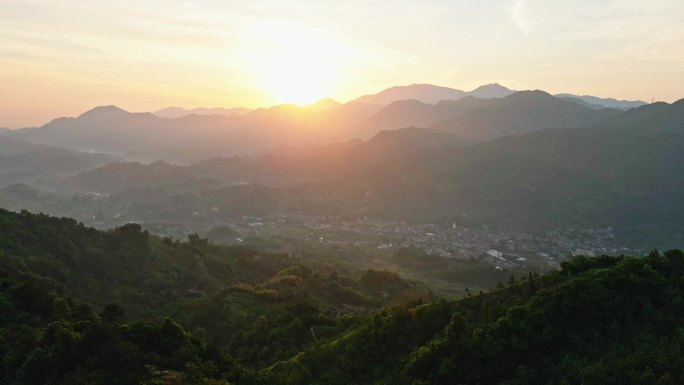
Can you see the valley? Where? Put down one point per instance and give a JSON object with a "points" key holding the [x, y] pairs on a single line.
{"points": [[424, 224], [206, 192]]}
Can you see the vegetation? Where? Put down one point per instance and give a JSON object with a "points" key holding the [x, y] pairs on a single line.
{"points": [[264, 307], [203, 314], [612, 320], [607, 320], [46, 338]]}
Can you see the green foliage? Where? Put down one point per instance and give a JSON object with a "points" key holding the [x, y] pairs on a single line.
{"points": [[153, 304], [264, 307], [70, 344], [607, 320]]}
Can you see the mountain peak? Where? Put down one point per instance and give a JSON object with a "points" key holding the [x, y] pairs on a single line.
{"points": [[606, 102], [491, 86], [179, 112], [105, 112], [426, 93], [490, 91], [530, 95], [678, 103], [324, 104]]}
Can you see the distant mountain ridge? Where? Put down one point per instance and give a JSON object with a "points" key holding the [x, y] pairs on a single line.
{"points": [[474, 119], [491, 91], [177, 112], [581, 102], [274, 170], [324, 104], [25, 162], [431, 94], [119, 177], [520, 113], [606, 102], [621, 171], [426, 93], [113, 130], [527, 161], [147, 137]]}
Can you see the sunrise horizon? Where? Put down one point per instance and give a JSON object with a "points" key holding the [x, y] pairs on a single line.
{"points": [[58, 59], [305, 102], [272, 192]]}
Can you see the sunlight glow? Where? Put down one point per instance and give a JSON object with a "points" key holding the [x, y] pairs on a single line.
{"points": [[298, 67]]}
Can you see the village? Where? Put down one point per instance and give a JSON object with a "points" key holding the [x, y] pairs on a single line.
{"points": [[501, 248]]}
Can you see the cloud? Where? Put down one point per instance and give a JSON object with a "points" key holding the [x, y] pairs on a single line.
{"points": [[517, 16], [62, 45]]}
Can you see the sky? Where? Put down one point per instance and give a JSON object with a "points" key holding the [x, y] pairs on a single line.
{"points": [[63, 57]]}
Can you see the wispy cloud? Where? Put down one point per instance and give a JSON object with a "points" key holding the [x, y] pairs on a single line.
{"points": [[205, 50], [517, 16]]}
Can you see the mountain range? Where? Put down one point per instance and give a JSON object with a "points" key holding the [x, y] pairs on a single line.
{"points": [[620, 173], [178, 112], [476, 119], [454, 124], [604, 102], [190, 138], [25, 162], [525, 160]]}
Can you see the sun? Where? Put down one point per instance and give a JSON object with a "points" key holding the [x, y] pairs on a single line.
{"points": [[297, 67], [298, 77]]}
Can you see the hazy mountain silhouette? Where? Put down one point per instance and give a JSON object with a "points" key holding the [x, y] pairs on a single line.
{"points": [[10, 147], [287, 169], [661, 115], [385, 147], [475, 119], [324, 104], [177, 112], [622, 173], [23, 196], [581, 102], [490, 91], [432, 94], [119, 177], [281, 125], [426, 93], [22, 161], [606, 102], [147, 137], [520, 113], [407, 113], [111, 129]]}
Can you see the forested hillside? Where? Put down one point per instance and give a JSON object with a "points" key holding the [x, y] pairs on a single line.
{"points": [[260, 192], [247, 317], [264, 307], [603, 320], [47, 338]]}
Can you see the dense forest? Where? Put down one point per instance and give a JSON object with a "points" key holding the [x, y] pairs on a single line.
{"points": [[46, 338], [81, 306], [262, 307], [602, 320], [270, 192]]}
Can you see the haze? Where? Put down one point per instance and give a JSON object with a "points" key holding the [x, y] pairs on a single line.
{"points": [[62, 58], [269, 192]]}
